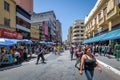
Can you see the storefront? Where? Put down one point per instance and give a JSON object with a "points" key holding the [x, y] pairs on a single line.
{"points": [[10, 34]]}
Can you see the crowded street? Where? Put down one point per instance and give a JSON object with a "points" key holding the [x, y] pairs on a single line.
{"points": [[57, 67]]}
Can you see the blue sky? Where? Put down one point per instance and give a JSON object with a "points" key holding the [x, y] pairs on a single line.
{"points": [[66, 11]]}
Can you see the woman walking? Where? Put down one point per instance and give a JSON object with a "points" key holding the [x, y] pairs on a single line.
{"points": [[89, 62]]}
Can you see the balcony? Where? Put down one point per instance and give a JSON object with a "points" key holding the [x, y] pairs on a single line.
{"points": [[76, 33], [102, 21], [112, 13], [76, 41], [75, 37], [78, 29]]}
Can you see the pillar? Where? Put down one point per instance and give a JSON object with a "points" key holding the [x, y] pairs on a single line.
{"points": [[93, 33], [110, 28]]}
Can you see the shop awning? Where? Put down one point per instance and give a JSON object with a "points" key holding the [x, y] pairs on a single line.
{"points": [[95, 39], [107, 36], [112, 35]]}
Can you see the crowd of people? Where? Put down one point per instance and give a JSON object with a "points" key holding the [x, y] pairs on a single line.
{"points": [[15, 54], [86, 56]]}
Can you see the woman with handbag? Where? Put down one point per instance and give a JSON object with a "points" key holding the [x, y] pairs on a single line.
{"points": [[89, 62]]}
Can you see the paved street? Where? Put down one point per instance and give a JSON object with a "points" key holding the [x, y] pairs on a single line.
{"points": [[57, 68]]}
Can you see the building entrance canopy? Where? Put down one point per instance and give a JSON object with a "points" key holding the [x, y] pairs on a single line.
{"points": [[107, 36]]}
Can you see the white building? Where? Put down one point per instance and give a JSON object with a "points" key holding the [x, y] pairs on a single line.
{"points": [[78, 29]]}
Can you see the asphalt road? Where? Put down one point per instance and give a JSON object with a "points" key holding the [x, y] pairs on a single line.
{"points": [[56, 68]]}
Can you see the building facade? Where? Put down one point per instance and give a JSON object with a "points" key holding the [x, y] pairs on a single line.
{"points": [[58, 31], [8, 14], [34, 33], [23, 22], [47, 23], [69, 37], [78, 31], [25, 4], [103, 18], [8, 20]]}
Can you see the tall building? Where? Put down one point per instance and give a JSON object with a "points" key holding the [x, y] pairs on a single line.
{"points": [[25, 4], [69, 39], [78, 31], [8, 20], [103, 19], [47, 23], [23, 22], [58, 31]]}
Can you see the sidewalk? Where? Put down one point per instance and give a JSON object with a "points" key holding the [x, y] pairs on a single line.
{"points": [[110, 63], [34, 56]]}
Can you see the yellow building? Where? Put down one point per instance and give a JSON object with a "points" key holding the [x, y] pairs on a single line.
{"points": [[35, 33], [104, 17], [8, 15]]}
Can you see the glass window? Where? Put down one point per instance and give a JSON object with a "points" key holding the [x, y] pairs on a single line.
{"points": [[6, 21], [6, 6], [99, 16], [105, 11]]}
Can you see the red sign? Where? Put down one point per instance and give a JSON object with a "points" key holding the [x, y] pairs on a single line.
{"points": [[10, 34]]}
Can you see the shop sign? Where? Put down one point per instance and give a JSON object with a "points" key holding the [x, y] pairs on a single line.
{"points": [[10, 34]]}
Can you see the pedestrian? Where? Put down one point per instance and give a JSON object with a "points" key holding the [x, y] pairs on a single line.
{"points": [[89, 62], [54, 50], [25, 52], [41, 53], [71, 52], [58, 49], [78, 54]]}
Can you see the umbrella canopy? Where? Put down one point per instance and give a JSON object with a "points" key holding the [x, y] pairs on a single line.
{"points": [[43, 42], [6, 42], [27, 41]]}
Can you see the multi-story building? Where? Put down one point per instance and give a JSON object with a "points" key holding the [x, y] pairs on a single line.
{"points": [[58, 31], [78, 31], [103, 18], [8, 20], [23, 22], [69, 38], [46, 21], [25, 4], [34, 33]]}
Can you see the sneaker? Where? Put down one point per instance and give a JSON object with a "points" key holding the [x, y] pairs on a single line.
{"points": [[43, 62], [36, 63]]}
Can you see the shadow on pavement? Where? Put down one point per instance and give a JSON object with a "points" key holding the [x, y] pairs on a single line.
{"points": [[9, 67]]}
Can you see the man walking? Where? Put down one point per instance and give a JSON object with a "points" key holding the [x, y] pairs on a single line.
{"points": [[41, 52], [71, 52]]}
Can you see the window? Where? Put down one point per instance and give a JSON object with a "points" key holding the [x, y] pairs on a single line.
{"points": [[82, 31], [6, 6], [99, 16], [105, 11], [81, 27], [6, 21], [95, 20], [82, 23]]}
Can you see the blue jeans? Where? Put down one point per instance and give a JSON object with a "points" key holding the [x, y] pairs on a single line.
{"points": [[89, 74], [71, 55]]}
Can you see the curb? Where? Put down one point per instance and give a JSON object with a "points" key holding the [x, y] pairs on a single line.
{"points": [[109, 67]]}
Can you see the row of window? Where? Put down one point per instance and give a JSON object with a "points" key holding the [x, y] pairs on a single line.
{"points": [[100, 15], [7, 8], [78, 31], [21, 22], [78, 35]]}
